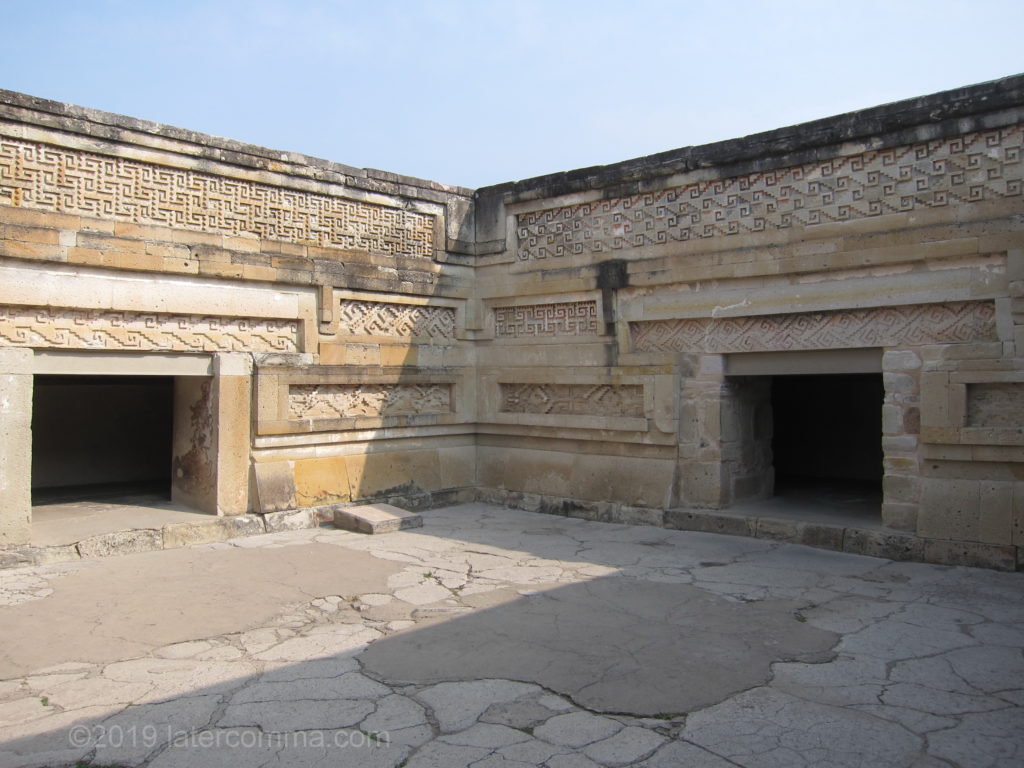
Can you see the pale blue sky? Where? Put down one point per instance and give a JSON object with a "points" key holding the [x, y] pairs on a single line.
{"points": [[477, 93]]}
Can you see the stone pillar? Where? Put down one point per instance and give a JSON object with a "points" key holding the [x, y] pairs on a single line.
{"points": [[901, 428], [747, 425], [194, 444], [15, 445], [212, 437], [703, 478], [233, 403]]}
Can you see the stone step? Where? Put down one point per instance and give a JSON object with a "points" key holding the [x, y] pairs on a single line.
{"points": [[376, 518]]}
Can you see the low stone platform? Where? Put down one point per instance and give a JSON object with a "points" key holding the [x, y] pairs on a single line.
{"points": [[376, 518]]}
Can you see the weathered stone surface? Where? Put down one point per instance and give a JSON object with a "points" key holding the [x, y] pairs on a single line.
{"points": [[121, 543], [375, 518], [458, 705], [185, 534], [289, 520], [602, 343], [925, 666], [577, 729]]}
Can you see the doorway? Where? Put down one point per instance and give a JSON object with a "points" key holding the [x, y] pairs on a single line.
{"points": [[100, 438], [827, 440]]}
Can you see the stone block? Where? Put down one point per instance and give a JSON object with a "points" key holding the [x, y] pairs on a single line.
{"points": [[892, 420], [458, 466], [375, 518], [627, 515], [900, 516], [892, 546], [821, 536], [388, 473], [15, 445], [321, 481], [289, 520], [121, 543], [704, 484], [777, 530], [949, 509], [1017, 529], [186, 534], [17, 557], [275, 486], [899, 443], [533, 471], [905, 488], [995, 512], [708, 521], [899, 383], [244, 525], [975, 554], [64, 553], [900, 360]]}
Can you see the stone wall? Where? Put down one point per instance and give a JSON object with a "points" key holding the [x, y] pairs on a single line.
{"points": [[141, 245], [896, 231], [599, 342]]}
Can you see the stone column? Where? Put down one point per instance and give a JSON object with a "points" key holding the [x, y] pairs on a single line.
{"points": [[703, 477], [15, 445], [212, 437], [233, 410], [901, 427]]}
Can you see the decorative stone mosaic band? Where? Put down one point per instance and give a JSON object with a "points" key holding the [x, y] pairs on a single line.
{"points": [[997, 404], [881, 327], [110, 329], [954, 171], [573, 399], [332, 401], [575, 318], [379, 318], [69, 181]]}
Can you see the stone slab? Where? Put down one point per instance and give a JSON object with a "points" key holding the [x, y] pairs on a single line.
{"points": [[376, 518]]}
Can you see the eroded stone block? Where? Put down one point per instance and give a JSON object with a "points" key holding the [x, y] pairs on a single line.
{"points": [[121, 543], [376, 518]]}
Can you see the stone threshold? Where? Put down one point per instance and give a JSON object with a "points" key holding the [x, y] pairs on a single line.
{"points": [[211, 530], [870, 540], [873, 541], [170, 536]]}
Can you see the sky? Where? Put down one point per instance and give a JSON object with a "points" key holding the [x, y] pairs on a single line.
{"points": [[478, 93]]}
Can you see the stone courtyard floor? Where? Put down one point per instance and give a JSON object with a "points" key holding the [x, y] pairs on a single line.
{"points": [[496, 638]]}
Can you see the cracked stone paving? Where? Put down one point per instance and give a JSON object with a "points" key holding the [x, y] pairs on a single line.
{"points": [[496, 638]]}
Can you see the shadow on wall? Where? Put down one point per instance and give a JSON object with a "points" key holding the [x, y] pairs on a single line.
{"points": [[387, 415]]}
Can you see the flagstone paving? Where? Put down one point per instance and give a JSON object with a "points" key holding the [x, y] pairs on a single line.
{"points": [[496, 638]]}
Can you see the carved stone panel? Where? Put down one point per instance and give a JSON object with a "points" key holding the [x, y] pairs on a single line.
{"points": [[111, 329], [49, 178], [333, 401], [574, 318], [573, 399], [946, 172], [878, 327], [381, 318], [995, 404]]}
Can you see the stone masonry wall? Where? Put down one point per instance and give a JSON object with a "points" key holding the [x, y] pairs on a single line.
{"points": [[347, 288], [895, 231], [599, 342]]}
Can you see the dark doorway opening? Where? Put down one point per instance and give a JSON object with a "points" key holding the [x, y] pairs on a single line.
{"points": [[827, 439], [101, 438]]}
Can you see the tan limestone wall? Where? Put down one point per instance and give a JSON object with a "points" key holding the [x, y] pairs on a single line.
{"points": [[587, 341], [125, 237], [894, 231]]}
